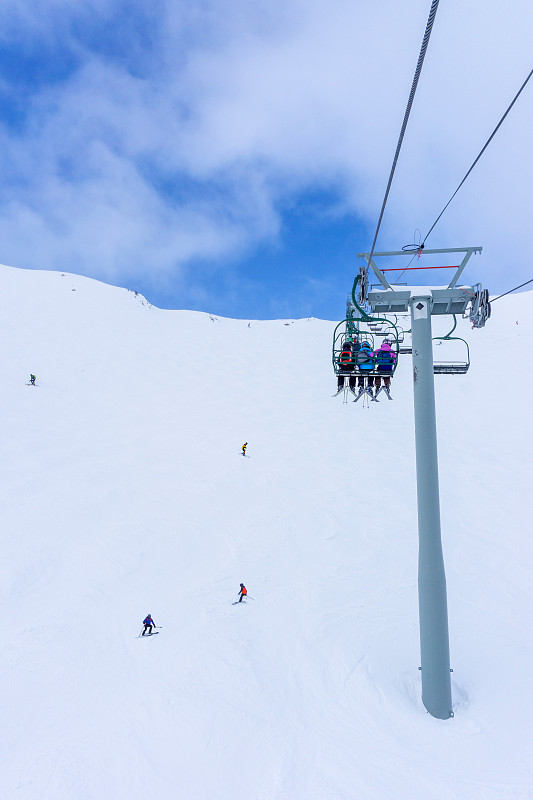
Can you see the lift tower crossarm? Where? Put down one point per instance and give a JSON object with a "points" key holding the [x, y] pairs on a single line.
{"points": [[468, 251], [424, 252]]}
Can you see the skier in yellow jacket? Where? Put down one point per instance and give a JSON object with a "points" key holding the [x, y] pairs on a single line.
{"points": [[244, 448]]}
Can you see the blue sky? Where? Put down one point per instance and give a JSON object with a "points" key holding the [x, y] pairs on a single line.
{"points": [[232, 157]]}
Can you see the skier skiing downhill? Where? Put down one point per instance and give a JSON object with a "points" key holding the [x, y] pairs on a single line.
{"points": [[245, 445], [148, 623], [242, 592], [32, 380]]}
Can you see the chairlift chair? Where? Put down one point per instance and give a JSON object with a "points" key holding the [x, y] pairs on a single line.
{"points": [[349, 336], [392, 333], [377, 327], [346, 353], [452, 367]]}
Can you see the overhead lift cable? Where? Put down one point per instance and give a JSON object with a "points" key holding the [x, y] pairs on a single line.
{"points": [[425, 41], [512, 290], [491, 137]]}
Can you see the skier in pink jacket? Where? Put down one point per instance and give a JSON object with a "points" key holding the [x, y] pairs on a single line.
{"points": [[385, 359]]}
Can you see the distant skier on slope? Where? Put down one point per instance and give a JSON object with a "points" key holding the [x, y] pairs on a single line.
{"points": [[242, 592], [148, 623], [32, 380], [245, 445]]}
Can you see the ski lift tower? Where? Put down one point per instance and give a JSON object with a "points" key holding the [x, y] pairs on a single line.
{"points": [[423, 302]]}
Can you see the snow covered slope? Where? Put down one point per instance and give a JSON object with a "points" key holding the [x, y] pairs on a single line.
{"points": [[123, 492]]}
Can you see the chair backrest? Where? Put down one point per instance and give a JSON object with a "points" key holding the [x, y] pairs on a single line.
{"points": [[384, 357], [346, 357], [365, 359]]}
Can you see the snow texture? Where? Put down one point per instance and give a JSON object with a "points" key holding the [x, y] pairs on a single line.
{"points": [[124, 492]]}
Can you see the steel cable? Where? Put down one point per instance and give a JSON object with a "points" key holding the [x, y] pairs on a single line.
{"points": [[517, 95], [425, 40], [512, 290]]}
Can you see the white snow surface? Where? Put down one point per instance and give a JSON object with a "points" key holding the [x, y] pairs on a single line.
{"points": [[124, 492]]}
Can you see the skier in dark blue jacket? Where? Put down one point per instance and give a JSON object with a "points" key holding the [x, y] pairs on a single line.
{"points": [[148, 623]]}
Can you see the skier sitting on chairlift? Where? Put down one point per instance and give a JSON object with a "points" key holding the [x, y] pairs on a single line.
{"points": [[385, 358], [365, 363], [347, 360]]}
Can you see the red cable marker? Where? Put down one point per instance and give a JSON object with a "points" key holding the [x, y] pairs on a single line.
{"points": [[404, 269]]}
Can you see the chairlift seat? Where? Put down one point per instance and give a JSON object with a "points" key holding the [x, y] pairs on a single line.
{"points": [[450, 368], [457, 367]]}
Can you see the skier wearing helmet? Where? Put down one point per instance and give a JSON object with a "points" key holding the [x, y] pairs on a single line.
{"points": [[242, 592], [148, 623], [385, 358], [365, 365]]}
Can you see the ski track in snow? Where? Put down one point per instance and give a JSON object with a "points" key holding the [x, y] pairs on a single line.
{"points": [[124, 492]]}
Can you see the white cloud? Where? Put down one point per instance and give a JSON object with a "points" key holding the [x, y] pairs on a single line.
{"points": [[241, 107]]}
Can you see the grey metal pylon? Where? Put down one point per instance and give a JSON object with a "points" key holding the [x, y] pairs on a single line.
{"points": [[432, 599]]}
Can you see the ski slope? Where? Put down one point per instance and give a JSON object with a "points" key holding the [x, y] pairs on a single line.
{"points": [[123, 492]]}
